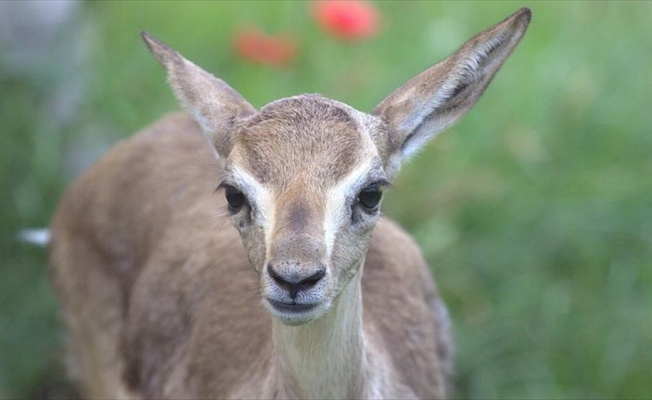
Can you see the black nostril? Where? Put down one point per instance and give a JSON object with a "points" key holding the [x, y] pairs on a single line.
{"points": [[295, 284], [277, 278], [312, 279]]}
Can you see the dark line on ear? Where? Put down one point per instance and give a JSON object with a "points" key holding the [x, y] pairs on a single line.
{"points": [[409, 137], [459, 89]]}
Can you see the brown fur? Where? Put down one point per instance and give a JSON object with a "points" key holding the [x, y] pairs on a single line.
{"points": [[165, 303], [287, 121], [161, 295]]}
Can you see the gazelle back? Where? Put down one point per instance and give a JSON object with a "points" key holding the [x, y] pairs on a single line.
{"points": [[308, 293]]}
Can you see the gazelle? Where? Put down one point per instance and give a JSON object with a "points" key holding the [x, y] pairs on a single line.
{"points": [[309, 293]]}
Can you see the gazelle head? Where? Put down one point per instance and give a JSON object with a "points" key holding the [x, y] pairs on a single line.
{"points": [[304, 175]]}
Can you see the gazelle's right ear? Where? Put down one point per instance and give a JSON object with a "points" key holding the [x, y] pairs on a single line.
{"points": [[212, 103], [439, 96]]}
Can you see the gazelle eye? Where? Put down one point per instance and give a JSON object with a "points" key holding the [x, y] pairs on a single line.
{"points": [[369, 197], [234, 197]]}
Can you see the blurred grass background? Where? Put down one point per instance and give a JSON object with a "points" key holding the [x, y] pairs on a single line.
{"points": [[535, 211]]}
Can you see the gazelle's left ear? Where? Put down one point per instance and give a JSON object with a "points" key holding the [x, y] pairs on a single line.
{"points": [[439, 96]]}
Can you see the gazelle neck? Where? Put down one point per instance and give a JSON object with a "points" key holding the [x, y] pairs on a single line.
{"points": [[326, 358]]}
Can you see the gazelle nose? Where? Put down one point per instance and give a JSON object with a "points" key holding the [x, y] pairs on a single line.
{"points": [[296, 282]]}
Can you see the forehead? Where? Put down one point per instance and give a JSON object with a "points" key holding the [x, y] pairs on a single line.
{"points": [[306, 137]]}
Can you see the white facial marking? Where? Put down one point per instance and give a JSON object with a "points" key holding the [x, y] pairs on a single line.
{"points": [[261, 197], [336, 212]]}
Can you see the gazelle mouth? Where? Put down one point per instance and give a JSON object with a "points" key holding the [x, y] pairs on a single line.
{"points": [[291, 308]]}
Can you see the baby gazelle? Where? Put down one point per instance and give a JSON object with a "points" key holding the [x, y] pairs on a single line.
{"points": [[309, 293]]}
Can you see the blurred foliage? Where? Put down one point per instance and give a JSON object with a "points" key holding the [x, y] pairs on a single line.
{"points": [[535, 210]]}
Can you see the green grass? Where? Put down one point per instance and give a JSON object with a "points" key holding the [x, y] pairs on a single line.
{"points": [[535, 211]]}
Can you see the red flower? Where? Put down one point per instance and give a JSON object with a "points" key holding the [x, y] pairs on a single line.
{"points": [[347, 20], [275, 51]]}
